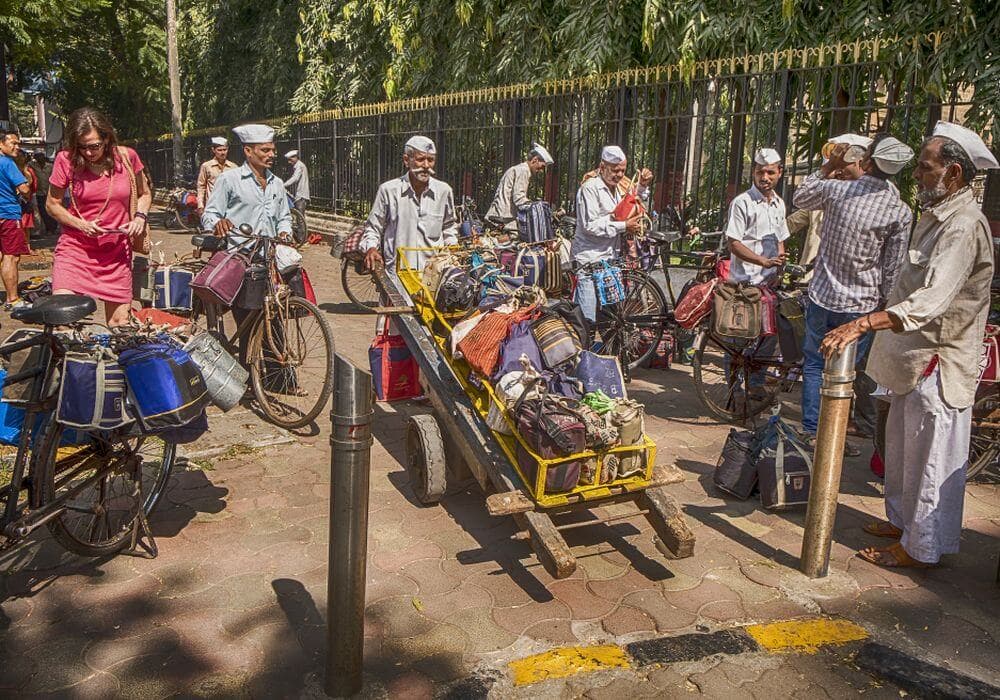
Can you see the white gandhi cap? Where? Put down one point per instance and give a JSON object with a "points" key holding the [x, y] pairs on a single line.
{"points": [[852, 140], [539, 150], [219, 141], [970, 142], [423, 144], [613, 155], [890, 155], [766, 156], [254, 133], [291, 154]]}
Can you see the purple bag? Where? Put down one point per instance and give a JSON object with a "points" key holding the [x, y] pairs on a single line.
{"points": [[552, 431], [519, 342], [601, 372], [559, 383], [221, 279], [507, 260]]}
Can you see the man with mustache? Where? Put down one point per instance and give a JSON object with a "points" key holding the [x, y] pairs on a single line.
{"points": [[929, 361], [862, 239], [412, 211], [210, 170]]}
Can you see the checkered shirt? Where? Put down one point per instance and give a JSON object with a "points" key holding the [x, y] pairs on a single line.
{"points": [[866, 228]]}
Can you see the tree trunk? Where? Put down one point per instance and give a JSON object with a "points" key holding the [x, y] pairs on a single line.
{"points": [[175, 90]]}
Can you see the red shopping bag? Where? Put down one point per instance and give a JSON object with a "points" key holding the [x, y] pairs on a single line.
{"points": [[395, 374], [310, 293]]}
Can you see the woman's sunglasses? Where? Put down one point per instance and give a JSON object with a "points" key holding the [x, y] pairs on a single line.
{"points": [[91, 147]]}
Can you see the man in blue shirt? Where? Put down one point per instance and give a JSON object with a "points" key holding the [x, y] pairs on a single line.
{"points": [[13, 185]]}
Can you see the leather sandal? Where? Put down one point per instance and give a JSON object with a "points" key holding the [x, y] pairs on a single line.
{"points": [[893, 556], [883, 528]]}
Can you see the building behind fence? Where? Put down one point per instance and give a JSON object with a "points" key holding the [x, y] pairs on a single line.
{"points": [[696, 128]]}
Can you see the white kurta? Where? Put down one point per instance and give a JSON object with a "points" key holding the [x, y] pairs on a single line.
{"points": [[925, 500]]}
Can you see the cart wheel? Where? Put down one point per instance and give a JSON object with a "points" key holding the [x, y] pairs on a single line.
{"points": [[425, 460]]}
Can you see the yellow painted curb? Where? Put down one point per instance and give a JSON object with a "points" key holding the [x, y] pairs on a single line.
{"points": [[567, 661], [805, 636]]}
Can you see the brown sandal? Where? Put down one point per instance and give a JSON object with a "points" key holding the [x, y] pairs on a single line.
{"points": [[883, 528], [893, 556]]}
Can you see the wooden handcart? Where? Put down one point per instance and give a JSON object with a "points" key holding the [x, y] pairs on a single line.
{"points": [[455, 442]]}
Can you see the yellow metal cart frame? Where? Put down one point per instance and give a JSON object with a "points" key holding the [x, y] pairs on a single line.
{"points": [[468, 446]]}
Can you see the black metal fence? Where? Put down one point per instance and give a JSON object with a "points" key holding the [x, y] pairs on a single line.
{"points": [[697, 129]]}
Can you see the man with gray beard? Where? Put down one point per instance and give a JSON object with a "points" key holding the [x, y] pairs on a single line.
{"points": [[929, 361]]}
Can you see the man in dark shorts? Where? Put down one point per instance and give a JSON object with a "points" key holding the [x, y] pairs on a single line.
{"points": [[13, 186]]}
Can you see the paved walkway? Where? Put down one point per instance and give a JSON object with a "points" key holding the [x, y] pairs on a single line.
{"points": [[235, 603]]}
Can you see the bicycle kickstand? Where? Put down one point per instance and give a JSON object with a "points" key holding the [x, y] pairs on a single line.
{"points": [[142, 538]]}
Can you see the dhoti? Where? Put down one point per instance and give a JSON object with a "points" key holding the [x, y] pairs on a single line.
{"points": [[927, 451]]}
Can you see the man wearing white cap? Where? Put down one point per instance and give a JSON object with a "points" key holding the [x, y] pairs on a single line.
{"points": [[929, 361], [598, 233], [862, 241], [211, 169], [412, 211], [512, 192], [297, 183]]}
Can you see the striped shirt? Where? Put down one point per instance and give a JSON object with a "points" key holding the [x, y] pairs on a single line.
{"points": [[866, 227]]}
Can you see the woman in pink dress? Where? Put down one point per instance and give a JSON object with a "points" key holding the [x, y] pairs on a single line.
{"points": [[94, 254]]}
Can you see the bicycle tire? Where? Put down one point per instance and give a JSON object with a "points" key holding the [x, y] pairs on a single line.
{"points": [[632, 329], [300, 228], [359, 286], [183, 222], [267, 400], [122, 447], [731, 403]]}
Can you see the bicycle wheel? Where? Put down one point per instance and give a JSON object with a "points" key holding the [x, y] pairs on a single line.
{"points": [[300, 231], [186, 219], [737, 381], [105, 481], [290, 358], [631, 329], [984, 442], [359, 285]]}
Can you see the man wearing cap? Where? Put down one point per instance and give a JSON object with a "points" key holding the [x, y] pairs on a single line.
{"points": [[927, 352], [597, 231], [211, 169], [862, 241], [297, 184], [512, 192], [412, 211]]}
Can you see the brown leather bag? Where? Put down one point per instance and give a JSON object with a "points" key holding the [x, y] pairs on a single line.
{"points": [[736, 311], [142, 243]]}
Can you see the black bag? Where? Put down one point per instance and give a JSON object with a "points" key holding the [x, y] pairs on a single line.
{"points": [[572, 314], [736, 472], [783, 467], [458, 291], [256, 285], [791, 328], [534, 222]]}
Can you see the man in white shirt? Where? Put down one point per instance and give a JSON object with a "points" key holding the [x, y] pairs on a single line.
{"points": [[512, 192], [297, 184], [598, 233]]}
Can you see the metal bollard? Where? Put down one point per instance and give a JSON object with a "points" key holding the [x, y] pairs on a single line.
{"points": [[350, 441], [828, 461]]}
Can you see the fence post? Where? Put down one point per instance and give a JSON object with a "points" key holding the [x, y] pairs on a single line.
{"points": [[350, 441], [828, 460], [784, 117], [380, 140], [334, 174]]}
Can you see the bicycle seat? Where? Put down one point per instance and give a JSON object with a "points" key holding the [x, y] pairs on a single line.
{"points": [[209, 242], [56, 310]]}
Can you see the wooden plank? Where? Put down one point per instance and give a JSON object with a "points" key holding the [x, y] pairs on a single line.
{"points": [[548, 544], [509, 503], [675, 539]]}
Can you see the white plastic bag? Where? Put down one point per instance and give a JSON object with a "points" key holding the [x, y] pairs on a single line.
{"points": [[286, 257]]}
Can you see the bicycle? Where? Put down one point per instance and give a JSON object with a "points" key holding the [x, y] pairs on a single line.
{"points": [[95, 491], [184, 205], [291, 372], [300, 232]]}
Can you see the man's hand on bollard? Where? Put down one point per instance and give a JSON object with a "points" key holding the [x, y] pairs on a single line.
{"points": [[842, 336], [373, 260]]}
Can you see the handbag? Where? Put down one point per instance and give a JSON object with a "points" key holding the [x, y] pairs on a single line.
{"points": [[352, 245], [736, 311], [172, 288], [435, 268], [256, 286], [534, 222], [457, 291], [92, 391], [530, 265], [768, 312], [695, 303], [608, 284], [221, 279], [601, 372], [783, 466], [736, 471], [791, 320], [520, 343], [142, 279], [989, 360], [165, 386], [551, 431], [509, 389], [572, 314], [395, 375], [556, 341], [628, 417], [481, 346], [141, 243]]}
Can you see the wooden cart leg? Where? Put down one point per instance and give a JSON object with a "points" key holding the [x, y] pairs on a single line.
{"points": [[674, 538], [548, 544]]}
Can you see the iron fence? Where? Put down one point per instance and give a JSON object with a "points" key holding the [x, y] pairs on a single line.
{"points": [[696, 129]]}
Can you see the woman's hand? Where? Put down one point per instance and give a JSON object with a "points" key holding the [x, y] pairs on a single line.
{"points": [[90, 228], [135, 227]]}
